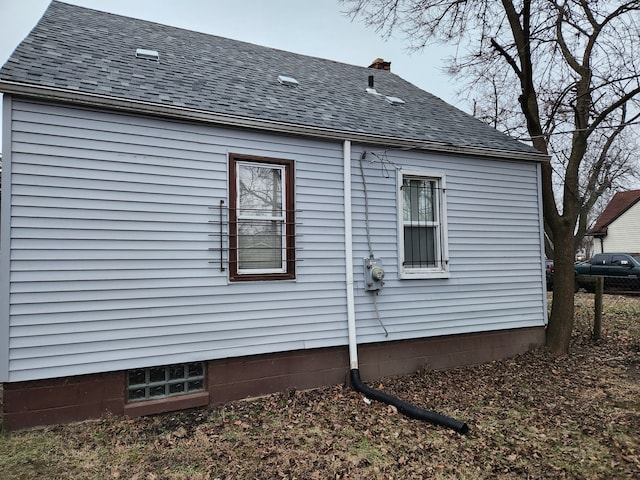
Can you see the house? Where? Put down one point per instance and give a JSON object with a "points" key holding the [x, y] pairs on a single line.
{"points": [[618, 226], [188, 220]]}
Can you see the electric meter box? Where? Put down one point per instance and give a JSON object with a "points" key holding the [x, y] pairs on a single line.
{"points": [[373, 274]]}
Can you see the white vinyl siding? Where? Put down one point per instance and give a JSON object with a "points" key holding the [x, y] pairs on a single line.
{"points": [[494, 248], [113, 220], [623, 234], [114, 234]]}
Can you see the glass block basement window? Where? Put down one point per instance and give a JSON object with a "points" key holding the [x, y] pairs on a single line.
{"points": [[159, 382]]}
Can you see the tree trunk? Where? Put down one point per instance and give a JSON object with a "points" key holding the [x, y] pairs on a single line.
{"points": [[561, 319]]}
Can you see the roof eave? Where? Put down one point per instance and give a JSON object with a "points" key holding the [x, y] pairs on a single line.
{"points": [[602, 229], [186, 113]]}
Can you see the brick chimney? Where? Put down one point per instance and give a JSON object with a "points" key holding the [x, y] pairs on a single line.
{"points": [[380, 64]]}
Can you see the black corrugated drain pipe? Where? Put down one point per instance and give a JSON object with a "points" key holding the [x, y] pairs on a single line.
{"points": [[405, 408]]}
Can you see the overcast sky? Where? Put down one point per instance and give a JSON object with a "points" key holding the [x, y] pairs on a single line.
{"points": [[310, 27]]}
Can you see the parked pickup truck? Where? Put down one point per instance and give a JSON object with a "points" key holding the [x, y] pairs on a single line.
{"points": [[621, 271]]}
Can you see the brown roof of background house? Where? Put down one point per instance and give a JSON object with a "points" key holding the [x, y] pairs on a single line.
{"points": [[620, 203]]}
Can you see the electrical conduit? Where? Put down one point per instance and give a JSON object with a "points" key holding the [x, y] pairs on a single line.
{"points": [[403, 407]]}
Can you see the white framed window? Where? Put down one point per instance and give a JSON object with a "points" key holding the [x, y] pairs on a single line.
{"points": [[422, 225], [262, 219]]}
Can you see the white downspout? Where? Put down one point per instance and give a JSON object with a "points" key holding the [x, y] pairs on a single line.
{"points": [[348, 254]]}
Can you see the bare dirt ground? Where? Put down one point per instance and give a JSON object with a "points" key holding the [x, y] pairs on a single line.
{"points": [[531, 417]]}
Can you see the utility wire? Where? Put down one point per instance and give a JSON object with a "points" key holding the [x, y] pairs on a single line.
{"points": [[368, 234], [565, 132], [375, 304], [366, 204]]}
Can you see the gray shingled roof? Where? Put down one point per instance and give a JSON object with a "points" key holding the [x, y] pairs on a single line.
{"points": [[92, 55]]}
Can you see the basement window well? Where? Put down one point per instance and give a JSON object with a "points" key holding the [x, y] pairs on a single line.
{"points": [[165, 381]]}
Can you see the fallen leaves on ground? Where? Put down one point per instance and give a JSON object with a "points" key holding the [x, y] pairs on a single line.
{"points": [[533, 416]]}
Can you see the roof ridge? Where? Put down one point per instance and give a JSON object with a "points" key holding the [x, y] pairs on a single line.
{"points": [[87, 56], [207, 34]]}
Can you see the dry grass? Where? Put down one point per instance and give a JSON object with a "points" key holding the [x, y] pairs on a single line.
{"points": [[532, 416]]}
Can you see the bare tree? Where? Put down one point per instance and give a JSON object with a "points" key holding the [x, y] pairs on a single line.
{"points": [[563, 75]]}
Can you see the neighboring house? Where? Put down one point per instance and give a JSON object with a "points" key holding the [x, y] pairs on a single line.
{"points": [[187, 220], [618, 227]]}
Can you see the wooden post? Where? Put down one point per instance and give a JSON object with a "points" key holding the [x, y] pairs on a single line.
{"points": [[597, 319]]}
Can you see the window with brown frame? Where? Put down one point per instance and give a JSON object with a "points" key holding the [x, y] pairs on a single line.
{"points": [[261, 218]]}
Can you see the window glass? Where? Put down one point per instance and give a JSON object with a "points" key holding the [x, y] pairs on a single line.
{"points": [[420, 228], [164, 381], [418, 200], [260, 245], [260, 190], [617, 259], [419, 247]]}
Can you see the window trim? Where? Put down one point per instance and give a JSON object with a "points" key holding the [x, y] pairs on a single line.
{"points": [[288, 234], [443, 237]]}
